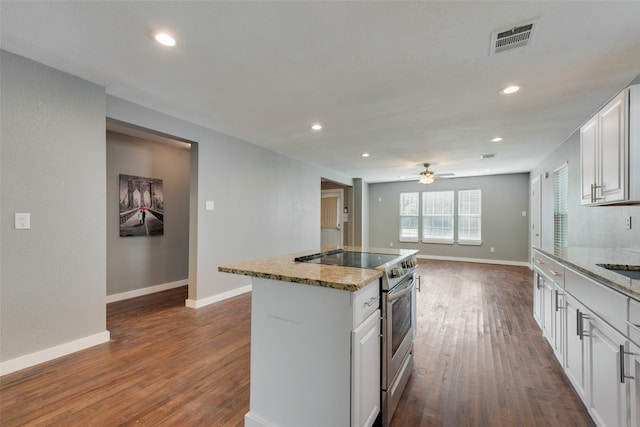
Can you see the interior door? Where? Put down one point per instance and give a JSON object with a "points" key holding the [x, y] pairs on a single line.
{"points": [[536, 192], [331, 217]]}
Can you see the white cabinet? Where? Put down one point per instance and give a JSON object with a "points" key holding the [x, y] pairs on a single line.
{"points": [[632, 370], [595, 334], [548, 309], [548, 301], [558, 322], [365, 363], [608, 147], [537, 298], [607, 394], [315, 355], [574, 349]]}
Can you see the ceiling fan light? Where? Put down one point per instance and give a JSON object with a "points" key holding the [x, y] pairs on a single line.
{"points": [[426, 177]]}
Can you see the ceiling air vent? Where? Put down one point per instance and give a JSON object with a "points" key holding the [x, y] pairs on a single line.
{"points": [[512, 37]]}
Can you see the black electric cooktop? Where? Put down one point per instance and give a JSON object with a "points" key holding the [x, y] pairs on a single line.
{"points": [[348, 258]]}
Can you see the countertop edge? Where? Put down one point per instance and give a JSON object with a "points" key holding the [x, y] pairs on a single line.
{"points": [[627, 291], [351, 287]]}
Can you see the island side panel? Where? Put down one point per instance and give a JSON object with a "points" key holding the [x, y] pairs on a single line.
{"points": [[300, 355]]}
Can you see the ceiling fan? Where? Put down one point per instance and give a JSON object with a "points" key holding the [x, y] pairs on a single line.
{"points": [[427, 176]]}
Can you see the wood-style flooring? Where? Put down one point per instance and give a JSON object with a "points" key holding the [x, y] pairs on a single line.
{"points": [[480, 361]]}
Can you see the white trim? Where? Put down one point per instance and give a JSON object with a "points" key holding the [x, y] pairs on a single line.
{"points": [[145, 291], [198, 303], [476, 260], [470, 242], [439, 241], [51, 353]]}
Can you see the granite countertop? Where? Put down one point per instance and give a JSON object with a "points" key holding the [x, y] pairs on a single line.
{"points": [[585, 260], [284, 268]]}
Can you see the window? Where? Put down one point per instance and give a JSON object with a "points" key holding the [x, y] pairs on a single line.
{"points": [[409, 211], [469, 217], [560, 206], [437, 217]]}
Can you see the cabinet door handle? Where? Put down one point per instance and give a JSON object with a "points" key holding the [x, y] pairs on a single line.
{"points": [[555, 273], [371, 301], [623, 375], [633, 325], [595, 187], [557, 305], [539, 262], [419, 282], [578, 321], [581, 331]]}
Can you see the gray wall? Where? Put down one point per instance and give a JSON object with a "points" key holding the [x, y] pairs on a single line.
{"points": [[138, 262], [52, 281], [265, 203], [504, 198], [53, 277]]}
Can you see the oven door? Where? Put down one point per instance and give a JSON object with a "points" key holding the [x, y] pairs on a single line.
{"points": [[398, 327]]}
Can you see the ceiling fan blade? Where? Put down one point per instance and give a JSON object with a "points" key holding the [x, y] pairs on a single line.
{"points": [[445, 175]]}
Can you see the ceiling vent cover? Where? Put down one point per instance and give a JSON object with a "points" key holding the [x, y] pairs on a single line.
{"points": [[513, 37]]}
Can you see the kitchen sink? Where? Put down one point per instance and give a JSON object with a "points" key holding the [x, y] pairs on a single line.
{"points": [[631, 271]]}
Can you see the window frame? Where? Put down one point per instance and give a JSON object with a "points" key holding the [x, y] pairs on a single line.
{"points": [[424, 216], [403, 215], [469, 241]]}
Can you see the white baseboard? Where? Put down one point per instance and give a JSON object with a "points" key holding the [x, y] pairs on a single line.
{"points": [[217, 298], [45, 355], [477, 260], [145, 291]]}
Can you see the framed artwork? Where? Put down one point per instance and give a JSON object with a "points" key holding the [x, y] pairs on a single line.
{"points": [[141, 206]]}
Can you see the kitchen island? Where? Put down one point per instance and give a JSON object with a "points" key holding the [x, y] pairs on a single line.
{"points": [[315, 342]]}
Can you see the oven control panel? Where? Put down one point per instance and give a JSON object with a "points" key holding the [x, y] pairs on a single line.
{"points": [[402, 268]]}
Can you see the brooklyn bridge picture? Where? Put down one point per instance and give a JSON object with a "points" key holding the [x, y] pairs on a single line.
{"points": [[141, 206]]}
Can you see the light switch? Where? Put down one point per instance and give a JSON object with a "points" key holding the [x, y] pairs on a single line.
{"points": [[23, 221], [209, 205], [524, 213]]}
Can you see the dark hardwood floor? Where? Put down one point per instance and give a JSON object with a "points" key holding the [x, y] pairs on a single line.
{"points": [[480, 361]]}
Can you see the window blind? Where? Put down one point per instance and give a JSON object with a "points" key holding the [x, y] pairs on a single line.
{"points": [[469, 217], [409, 210], [437, 217], [561, 206]]}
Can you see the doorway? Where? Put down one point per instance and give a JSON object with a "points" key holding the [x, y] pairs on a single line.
{"points": [[331, 208]]}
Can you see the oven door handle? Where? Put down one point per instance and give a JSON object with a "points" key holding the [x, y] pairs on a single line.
{"points": [[395, 295]]}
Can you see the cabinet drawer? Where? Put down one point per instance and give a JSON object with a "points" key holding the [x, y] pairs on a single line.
{"points": [[608, 304], [365, 302], [634, 321], [549, 267]]}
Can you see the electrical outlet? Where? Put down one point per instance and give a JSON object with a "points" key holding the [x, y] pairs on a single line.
{"points": [[391, 244], [628, 225], [23, 221], [493, 249]]}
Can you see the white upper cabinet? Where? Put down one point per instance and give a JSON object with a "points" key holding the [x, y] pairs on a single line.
{"points": [[609, 151]]}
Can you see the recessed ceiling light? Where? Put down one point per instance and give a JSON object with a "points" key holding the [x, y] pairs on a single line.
{"points": [[365, 154], [497, 139], [165, 39], [316, 126], [509, 90], [488, 156]]}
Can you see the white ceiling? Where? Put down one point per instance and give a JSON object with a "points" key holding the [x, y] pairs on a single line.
{"points": [[407, 82]]}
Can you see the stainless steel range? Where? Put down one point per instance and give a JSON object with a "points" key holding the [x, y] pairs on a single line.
{"points": [[398, 299]]}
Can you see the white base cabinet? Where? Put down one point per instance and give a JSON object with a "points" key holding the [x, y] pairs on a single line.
{"points": [[632, 374], [607, 395], [315, 355], [574, 350], [365, 360], [595, 334]]}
